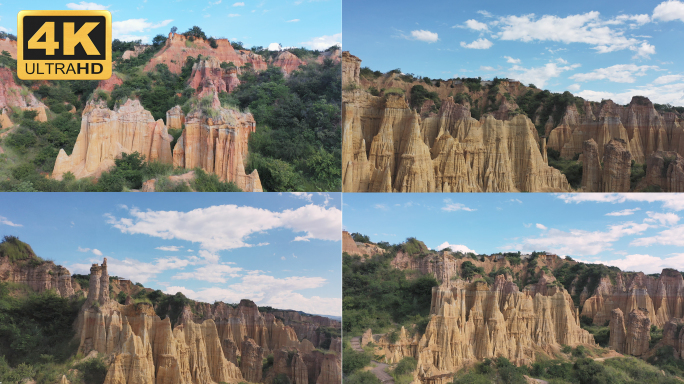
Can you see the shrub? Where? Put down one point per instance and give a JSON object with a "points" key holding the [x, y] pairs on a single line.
{"points": [[94, 370], [354, 361], [406, 366], [363, 377]]}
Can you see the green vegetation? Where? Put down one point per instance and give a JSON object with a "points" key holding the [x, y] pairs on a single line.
{"points": [[468, 270], [362, 377], [601, 333], [419, 95], [36, 334], [572, 169], [638, 172], [297, 144], [553, 104], [16, 250], [354, 361], [360, 238], [378, 296], [586, 275]]}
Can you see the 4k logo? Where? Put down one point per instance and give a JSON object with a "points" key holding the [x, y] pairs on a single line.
{"points": [[64, 45]]}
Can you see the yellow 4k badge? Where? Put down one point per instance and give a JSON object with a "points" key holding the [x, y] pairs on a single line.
{"points": [[64, 45]]}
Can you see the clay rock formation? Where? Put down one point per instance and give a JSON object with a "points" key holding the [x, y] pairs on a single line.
{"points": [[175, 118], [389, 148], [288, 62], [106, 134], [631, 336], [208, 75], [178, 48], [666, 170], [351, 68], [10, 46], [353, 248], [473, 321], [643, 129], [108, 85], [131, 53], [12, 95], [250, 364], [659, 298], [334, 54], [367, 337], [41, 278], [216, 141], [614, 175], [304, 368]]}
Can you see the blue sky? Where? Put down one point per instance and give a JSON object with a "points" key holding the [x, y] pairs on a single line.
{"points": [[281, 250], [595, 49], [634, 231], [315, 24]]}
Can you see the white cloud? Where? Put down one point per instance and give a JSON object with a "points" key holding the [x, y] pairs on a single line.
{"points": [[97, 252], [170, 248], [269, 291], [282, 257], [574, 87], [560, 60], [233, 15], [324, 42], [380, 206], [541, 226], [86, 6], [669, 11], [578, 241], [239, 4], [455, 247], [643, 51], [647, 263], [83, 249], [452, 207], [423, 35], [476, 25], [213, 273], [303, 195], [229, 226], [619, 73], [624, 212], [671, 236], [478, 44], [673, 201], [485, 13], [293, 21], [123, 29], [668, 218], [539, 75], [668, 79], [487, 68], [661, 94], [515, 201], [512, 60], [587, 28], [4, 220]]}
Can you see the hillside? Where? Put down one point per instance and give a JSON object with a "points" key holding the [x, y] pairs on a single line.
{"points": [[409, 134], [443, 316], [96, 328], [186, 113]]}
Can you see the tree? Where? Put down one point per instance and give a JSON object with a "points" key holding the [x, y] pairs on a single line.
{"points": [[195, 32], [237, 45], [174, 29], [159, 40]]}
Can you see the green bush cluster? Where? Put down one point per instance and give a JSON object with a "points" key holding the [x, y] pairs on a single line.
{"points": [[377, 296], [419, 95]]}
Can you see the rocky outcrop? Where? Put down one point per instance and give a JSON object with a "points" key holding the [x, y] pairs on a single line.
{"points": [[367, 337], [10, 46], [208, 75], [612, 174], [660, 298], [178, 48], [106, 134], [388, 148], [216, 140], [334, 54], [665, 170], [12, 95], [250, 364], [175, 118], [351, 68], [131, 53], [288, 62], [631, 336], [39, 277], [357, 248], [108, 85], [473, 321]]}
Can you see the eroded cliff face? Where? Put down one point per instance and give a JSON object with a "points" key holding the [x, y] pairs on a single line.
{"points": [[106, 134], [12, 95], [178, 48], [665, 170], [216, 141], [208, 75], [630, 336], [41, 278], [353, 248], [288, 62], [659, 298], [387, 147], [474, 321], [612, 173], [203, 347]]}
